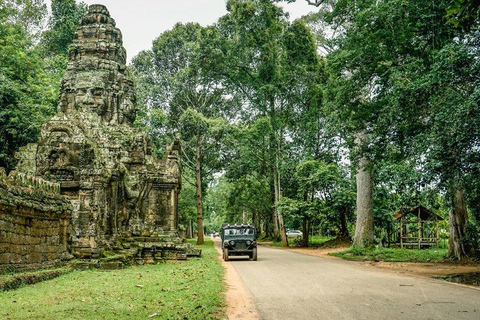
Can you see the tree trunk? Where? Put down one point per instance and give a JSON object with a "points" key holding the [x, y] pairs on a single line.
{"points": [[343, 225], [255, 222], [190, 230], [276, 232], [198, 182], [278, 195], [268, 229], [278, 191], [364, 226], [305, 231], [275, 152], [309, 228], [457, 221]]}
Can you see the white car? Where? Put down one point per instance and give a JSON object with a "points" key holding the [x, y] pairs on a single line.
{"points": [[294, 234]]}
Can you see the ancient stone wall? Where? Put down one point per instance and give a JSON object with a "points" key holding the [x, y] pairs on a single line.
{"points": [[33, 222]]}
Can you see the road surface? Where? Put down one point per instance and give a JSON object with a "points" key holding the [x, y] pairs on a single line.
{"points": [[288, 285]]}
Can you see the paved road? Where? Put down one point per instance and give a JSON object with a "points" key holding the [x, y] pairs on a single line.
{"points": [[288, 285]]}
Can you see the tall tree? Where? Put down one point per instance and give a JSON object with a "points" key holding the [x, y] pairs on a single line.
{"points": [[171, 80], [424, 94], [248, 173], [265, 62], [452, 151]]}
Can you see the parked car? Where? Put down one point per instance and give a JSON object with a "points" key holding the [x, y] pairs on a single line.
{"points": [[239, 240], [294, 233]]}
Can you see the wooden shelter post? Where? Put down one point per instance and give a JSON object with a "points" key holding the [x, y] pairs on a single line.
{"points": [[419, 225], [401, 232]]}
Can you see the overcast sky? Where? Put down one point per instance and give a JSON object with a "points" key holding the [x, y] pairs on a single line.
{"points": [[141, 21]]}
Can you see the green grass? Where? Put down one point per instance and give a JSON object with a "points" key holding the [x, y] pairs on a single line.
{"points": [[318, 241], [192, 289], [390, 254], [314, 241]]}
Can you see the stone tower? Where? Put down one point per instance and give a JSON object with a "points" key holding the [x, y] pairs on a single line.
{"points": [[121, 194]]}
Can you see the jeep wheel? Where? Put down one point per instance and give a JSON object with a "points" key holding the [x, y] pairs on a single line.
{"points": [[254, 254], [225, 254]]}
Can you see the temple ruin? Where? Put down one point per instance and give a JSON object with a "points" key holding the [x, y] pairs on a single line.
{"points": [[122, 198]]}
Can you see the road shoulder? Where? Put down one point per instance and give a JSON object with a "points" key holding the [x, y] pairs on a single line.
{"points": [[239, 301]]}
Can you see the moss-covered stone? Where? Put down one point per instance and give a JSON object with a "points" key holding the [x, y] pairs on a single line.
{"points": [[16, 280]]}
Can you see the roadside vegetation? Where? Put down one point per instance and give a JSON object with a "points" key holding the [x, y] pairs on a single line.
{"points": [[393, 254], [372, 254], [191, 289], [314, 241]]}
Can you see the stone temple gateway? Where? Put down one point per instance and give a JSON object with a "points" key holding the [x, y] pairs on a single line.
{"points": [[123, 199]]}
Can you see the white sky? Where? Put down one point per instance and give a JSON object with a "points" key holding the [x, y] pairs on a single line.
{"points": [[141, 21]]}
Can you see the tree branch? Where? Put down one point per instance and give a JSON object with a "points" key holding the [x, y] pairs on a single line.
{"points": [[193, 184], [315, 3], [188, 162]]}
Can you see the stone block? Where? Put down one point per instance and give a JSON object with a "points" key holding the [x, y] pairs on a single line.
{"points": [[111, 265]]}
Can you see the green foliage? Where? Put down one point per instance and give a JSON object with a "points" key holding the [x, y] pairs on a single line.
{"points": [[27, 97], [192, 289], [463, 13], [472, 239], [29, 15], [63, 23], [324, 197], [173, 90], [404, 77], [300, 45], [393, 255], [318, 241], [186, 202], [272, 68], [217, 207], [314, 241], [172, 83]]}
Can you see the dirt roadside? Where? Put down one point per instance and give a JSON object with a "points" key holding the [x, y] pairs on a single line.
{"points": [[239, 302]]}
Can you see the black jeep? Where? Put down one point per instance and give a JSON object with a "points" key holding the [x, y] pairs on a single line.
{"points": [[239, 240]]}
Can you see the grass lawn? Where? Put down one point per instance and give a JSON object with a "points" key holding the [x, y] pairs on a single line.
{"points": [[192, 289], [317, 241], [314, 241], [390, 254]]}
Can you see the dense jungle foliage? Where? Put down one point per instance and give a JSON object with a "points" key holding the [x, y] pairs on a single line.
{"points": [[330, 124]]}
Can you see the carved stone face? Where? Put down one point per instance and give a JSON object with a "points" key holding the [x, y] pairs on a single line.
{"points": [[90, 94], [110, 96]]}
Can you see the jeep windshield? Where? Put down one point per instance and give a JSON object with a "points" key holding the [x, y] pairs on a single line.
{"points": [[235, 232]]}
